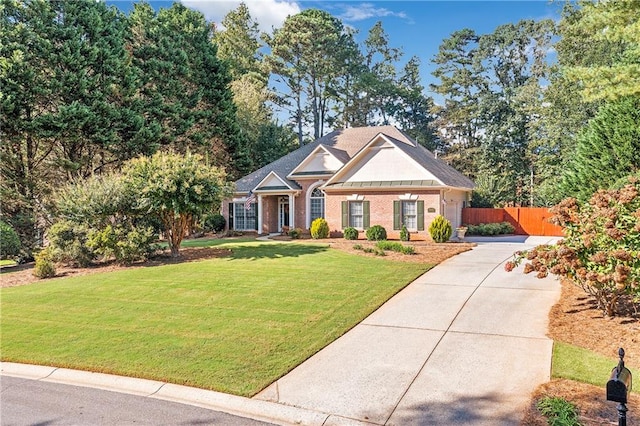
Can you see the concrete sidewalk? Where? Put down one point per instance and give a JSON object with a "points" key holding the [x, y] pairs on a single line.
{"points": [[463, 344]]}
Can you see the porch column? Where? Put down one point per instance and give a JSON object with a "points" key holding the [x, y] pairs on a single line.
{"points": [[259, 213], [292, 208]]}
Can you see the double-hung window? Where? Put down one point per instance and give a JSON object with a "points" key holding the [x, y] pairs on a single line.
{"points": [[355, 214], [409, 213]]}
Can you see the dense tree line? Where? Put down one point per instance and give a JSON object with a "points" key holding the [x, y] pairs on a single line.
{"points": [[85, 88]]}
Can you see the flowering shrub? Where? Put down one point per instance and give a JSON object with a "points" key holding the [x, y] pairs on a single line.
{"points": [[601, 248]]}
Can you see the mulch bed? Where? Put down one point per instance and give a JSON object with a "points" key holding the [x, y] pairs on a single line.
{"points": [[576, 320]]}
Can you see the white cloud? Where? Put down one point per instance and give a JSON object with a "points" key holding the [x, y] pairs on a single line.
{"points": [[364, 11], [267, 13]]}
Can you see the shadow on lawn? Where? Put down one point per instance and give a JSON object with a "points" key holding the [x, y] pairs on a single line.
{"points": [[275, 251]]}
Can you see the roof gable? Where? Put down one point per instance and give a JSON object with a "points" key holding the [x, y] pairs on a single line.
{"points": [[273, 182], [322, 161], [345, 144], [382, 160]]}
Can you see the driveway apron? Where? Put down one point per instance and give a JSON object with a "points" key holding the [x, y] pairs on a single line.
{"points": [[463, 344]]}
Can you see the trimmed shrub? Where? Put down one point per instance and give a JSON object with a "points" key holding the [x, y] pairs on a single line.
{"points": [[350, 233], [440, 229], [488, 229], [69, 244], [376, 233], [126, 246], [9, 241], [404, 234], [358, 247], [295, 233], [44, 267], [215, 222], [319, 229]]}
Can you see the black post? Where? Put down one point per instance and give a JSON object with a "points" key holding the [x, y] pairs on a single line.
{"points": [[622, 407], [622, 415]]}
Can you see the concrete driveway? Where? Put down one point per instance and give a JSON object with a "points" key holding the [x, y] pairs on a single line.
{"points": [[463, 344]]}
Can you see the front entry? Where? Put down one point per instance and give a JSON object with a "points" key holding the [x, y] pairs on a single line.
{"points": [[283, 213]]}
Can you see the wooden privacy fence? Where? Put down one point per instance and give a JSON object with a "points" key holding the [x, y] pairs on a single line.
{"points": [[526, 220]]}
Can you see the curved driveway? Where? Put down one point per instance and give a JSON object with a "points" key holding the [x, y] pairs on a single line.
{"points": [[463, 344]]}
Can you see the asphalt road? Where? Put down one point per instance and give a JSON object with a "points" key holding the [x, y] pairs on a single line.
{"points": [[33, 402]]}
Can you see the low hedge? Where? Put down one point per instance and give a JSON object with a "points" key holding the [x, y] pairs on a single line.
{"points": [[488, 229]]}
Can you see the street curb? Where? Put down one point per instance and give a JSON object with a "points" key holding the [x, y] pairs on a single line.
{"points": [[265, 411]]}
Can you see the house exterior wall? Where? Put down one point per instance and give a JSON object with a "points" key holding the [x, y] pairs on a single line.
{"points": [[455, 200], [381, 209]]}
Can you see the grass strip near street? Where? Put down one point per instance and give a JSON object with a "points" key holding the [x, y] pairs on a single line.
{"points": [[232, 324], [582, 365]]}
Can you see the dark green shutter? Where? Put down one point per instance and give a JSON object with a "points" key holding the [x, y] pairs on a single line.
{"points": [[256, 218], [345, 214], [365, 214], [420, 215], [397, 212], [230, 215]]}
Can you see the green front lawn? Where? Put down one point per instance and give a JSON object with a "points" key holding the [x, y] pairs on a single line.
{"points": [[231, 324], [582, 365]]}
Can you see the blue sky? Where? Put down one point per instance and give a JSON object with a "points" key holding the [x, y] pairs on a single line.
{"points": [[418, 27]]}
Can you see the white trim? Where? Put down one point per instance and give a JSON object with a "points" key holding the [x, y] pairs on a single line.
{"points": [[259, 213], [408, 197], [355, 197], [306, 160], [272, 173]]}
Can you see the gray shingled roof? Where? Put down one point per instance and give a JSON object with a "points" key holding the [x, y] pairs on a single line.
{"points": [[344, 144]]}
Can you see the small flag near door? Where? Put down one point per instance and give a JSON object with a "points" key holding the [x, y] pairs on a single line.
{"points": [[250, 199]]}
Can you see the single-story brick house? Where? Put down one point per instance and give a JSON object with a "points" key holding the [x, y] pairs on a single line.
{"points": [[352, 177]]}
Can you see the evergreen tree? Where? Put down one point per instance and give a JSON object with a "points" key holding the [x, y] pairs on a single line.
{"points": [[185, 87], [68, 106], [607, 150]]}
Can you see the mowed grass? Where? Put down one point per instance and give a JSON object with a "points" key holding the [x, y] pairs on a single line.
{"points": [[582, 365], [231, 324]]}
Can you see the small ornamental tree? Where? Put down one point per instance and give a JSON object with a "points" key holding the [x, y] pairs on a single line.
{"points": [[601, 248], [175, 188]]}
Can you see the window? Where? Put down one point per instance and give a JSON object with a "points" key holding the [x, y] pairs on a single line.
{"points": [[316, 205], [409, 213], [356, 214], [245, 219]]}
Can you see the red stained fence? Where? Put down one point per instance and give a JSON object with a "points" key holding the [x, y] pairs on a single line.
{"points": [[526, 220]]}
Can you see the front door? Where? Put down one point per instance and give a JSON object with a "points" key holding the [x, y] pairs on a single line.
{"points": [[283, 212]]}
